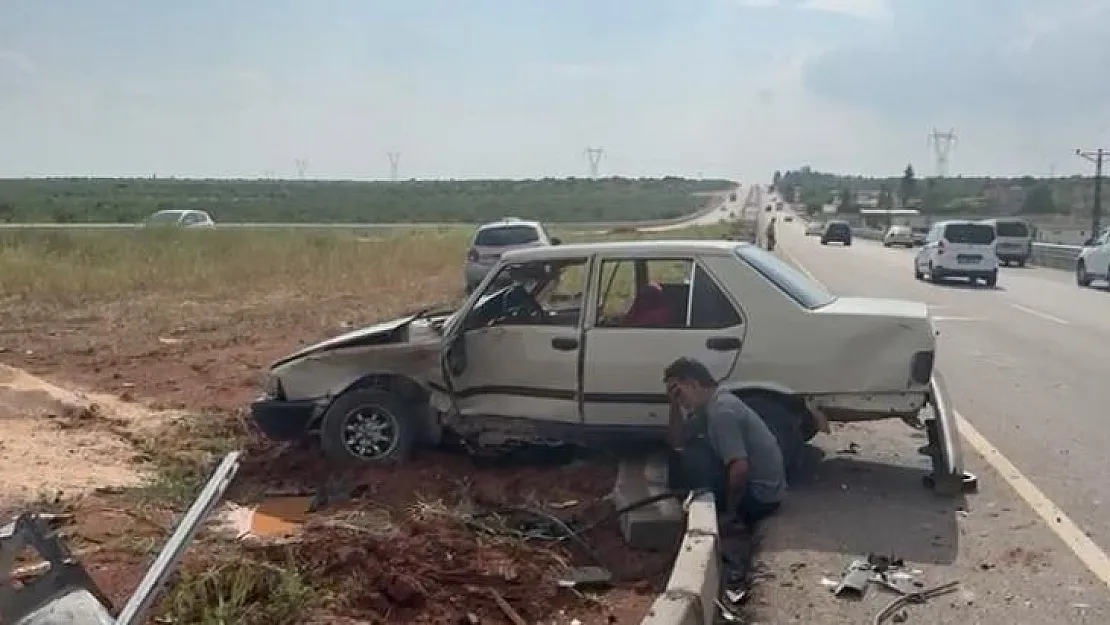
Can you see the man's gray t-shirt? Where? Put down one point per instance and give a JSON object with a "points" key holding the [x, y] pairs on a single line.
{"points": [[736, 432]]}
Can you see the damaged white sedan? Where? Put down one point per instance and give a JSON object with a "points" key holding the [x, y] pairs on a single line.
{"points": [[569, 343]]}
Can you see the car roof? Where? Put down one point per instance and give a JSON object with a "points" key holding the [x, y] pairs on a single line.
{"points": [[959, 222], [631, 248], [171, 211], [509, 221]]}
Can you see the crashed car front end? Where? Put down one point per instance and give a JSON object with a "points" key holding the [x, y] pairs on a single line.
{"points": [[300, 387]]}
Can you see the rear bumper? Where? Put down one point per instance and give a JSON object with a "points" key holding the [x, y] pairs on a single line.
{"points": [[284, 420], [965, 272]]}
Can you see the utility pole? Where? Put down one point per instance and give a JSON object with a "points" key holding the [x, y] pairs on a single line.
{"points": [[593, 155], [394, 164], [1096, 157], [942, 144], [301, 165]]}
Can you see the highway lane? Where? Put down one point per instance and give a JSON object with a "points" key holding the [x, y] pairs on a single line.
{"points": [[1027, 363]]}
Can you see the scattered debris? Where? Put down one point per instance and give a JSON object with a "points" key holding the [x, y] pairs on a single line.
{"points": [[852, 448], [887, 572]]}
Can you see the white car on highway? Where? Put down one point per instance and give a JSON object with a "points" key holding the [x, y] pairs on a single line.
{"points": [[568, 343], [188, 218], [493, 239], [1094, 260], [958, 249], [898, 235]]}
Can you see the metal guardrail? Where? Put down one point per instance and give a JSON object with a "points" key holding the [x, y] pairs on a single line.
{"points": [[1051, 255]]}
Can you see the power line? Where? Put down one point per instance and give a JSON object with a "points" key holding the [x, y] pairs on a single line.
{"points": [[942, 144], [394, 164], [1096, 157], [593, 155]]}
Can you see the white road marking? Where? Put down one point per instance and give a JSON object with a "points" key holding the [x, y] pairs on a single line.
{"points": [[956, 319], [1092, 556], [1037, 313], [1080, 544]]}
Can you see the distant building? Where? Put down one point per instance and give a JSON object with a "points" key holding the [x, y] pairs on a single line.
{"points": [[867, 199]]}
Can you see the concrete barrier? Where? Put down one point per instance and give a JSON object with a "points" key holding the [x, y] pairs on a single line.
{"points": [[1050, 255], [693, 587]]}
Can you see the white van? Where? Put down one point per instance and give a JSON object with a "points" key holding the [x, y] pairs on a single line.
{"points": [[958, 249], [1013, 240]]}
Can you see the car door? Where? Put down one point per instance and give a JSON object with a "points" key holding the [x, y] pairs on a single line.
{"points": [[622, 379], [496, 363], [1098, 259], [925, 254]]}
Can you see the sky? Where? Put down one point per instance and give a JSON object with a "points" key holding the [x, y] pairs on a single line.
{"points": [[520, 88]]}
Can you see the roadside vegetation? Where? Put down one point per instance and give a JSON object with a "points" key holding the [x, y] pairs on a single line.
{"points": [[183, 324], [982, 195], [65, 200]]}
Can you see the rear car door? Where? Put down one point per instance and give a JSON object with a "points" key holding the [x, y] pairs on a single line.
{"points": [[503, 359], [622, 379]]}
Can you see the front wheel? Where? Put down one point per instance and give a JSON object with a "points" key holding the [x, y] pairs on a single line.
{"points": [[368, 426], [992, 280], [1082, 278]]}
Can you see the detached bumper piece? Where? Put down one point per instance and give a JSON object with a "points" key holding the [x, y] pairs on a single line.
{"points": [[944, 449], [283, 420]]}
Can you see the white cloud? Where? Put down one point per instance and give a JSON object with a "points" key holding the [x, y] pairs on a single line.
{"points": [[19, 61], [757, 4], [864, 9]]}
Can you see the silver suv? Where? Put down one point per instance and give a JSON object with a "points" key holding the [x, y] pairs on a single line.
{"points": [[493, 239]]}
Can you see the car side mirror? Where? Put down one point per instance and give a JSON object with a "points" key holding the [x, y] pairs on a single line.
{"points": [[556, 241], [1089, 243]]}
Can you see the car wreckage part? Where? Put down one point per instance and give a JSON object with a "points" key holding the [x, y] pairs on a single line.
{"points": [[66, 595], [948, 476]]}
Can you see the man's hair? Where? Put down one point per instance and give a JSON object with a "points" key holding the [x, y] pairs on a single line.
{"points": [[689, 370]]}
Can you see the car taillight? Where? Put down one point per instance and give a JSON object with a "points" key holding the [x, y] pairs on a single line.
{"points": [[472, 255]]}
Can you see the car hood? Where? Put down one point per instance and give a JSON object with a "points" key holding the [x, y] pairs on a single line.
{"points": [[875, 306], [386, 332]]}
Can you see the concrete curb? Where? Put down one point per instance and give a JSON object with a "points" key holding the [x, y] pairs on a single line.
{"points": [[691, 594]]}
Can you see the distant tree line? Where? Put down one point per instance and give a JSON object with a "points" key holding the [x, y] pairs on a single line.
{"points": [[64, 200], [984, 195]]}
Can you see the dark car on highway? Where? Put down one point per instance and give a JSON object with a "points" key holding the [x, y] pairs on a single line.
{"points": [[838, 231]]}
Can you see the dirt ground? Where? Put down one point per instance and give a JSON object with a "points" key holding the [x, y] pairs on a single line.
{"points": [[91, 396]]}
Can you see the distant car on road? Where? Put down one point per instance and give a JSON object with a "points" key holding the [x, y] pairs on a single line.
{"points": [[1094, 260], [898, 235], [837, 231], [958, 249], [1013, 240], [919, 234], [493, 239], [180, 219], [815, 228]]}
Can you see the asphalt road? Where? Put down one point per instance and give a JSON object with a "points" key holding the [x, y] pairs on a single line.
{"points": [[1025, 363]]}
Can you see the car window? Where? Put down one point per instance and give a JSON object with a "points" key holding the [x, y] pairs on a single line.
{"points": [[1011, 229], [164, 217], [504, 236], [193, 218], [541, 293], [970, 234], [644, 293], [797, 285]]}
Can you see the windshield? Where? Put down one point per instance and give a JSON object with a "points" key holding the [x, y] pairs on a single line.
{"points": [[972, 234], [794, 283], [504, 236], [164, 217], [1011, 229], [899, 230]]}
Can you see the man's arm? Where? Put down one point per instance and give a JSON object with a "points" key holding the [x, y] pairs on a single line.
{"points": [[676, 422], [727, 437]]}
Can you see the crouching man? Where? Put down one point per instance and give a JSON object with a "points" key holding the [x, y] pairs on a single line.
{"points": [[723, 445]]}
